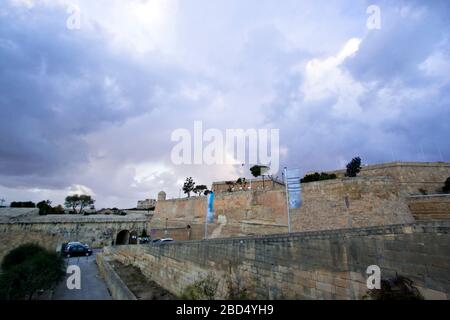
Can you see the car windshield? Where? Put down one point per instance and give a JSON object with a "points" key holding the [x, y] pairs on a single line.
{"points": [[74, 243]]}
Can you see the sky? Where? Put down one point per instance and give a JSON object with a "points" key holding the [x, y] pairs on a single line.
{"points": [[92, 91]]}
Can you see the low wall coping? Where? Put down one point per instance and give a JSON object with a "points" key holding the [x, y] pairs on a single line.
{"points": [[73, 219], [442, 226], [438, 195], [117, 288]]}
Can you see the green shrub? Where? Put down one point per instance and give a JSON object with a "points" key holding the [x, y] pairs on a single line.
{"points": [[398, 288], [317, 177], [58, 210], [201, 290], [446, 188], [28, 269], [45, 208], [236, 291], [20, 255], [26, 204]]}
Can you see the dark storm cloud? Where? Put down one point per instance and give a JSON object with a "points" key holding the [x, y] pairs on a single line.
{"points": [[408, 35], [95, 107], [54, 90]]}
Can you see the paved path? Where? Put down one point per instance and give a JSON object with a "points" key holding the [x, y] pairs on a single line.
{"points": [[92, 285]]}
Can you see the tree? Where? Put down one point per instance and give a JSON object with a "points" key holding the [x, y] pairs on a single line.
{"points": [[58, 210], [199, 189], [242, 182], [144, 234], [19, 255], [446, 188], [28, 269], [258, 170], [188, 186], [26, 204], [78, 201], [45, 207], [353, 167], [230, 185]]}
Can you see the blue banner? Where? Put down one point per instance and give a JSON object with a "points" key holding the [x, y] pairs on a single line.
{"points": [[294, 188], [210, 210]]}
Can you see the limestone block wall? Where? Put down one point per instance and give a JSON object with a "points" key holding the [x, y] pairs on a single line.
{"points": [[331, 204], [13, 236], [309, 265], [430, 207], [255, 184], [179, 212], [351, 203], [236, 214], [117, 288], [412, 176], [51, 233]]}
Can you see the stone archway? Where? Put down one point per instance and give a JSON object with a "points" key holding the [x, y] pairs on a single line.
{"points": [[123, 237]]}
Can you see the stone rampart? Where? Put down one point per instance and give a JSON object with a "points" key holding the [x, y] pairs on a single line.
{"points": [[308, 265]]}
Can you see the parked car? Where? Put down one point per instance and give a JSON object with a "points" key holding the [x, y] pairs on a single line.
{"points": [[143, 240], [76, 249], [165, 240], [77, 243], [155, 241]]}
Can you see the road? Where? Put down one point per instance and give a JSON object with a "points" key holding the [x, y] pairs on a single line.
{"points": [[93, 286]]}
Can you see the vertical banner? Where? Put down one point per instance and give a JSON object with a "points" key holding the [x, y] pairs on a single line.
{"points": [[294, 188], [293, 192], [210, 211]]}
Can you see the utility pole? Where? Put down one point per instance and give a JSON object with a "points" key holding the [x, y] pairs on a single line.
{"points": [[206, 221], [287, 200]]}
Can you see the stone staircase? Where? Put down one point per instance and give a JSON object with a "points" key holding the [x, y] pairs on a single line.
{"points": [[430, 207]]}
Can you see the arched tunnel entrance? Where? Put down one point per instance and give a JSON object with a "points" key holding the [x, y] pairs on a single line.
{"points": [[123, 237]]}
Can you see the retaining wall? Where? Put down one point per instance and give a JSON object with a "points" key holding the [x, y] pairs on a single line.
{"points": [[309, 265]]}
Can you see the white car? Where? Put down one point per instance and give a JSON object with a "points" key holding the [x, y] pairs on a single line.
{"points": [[166, 240]]}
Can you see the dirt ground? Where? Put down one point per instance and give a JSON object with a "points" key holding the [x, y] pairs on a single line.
{"points": [[142, 288]]}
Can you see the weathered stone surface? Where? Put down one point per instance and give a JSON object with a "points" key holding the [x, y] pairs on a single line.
{"points": [[51, 231], [282, 270], [371, 201], [427, 207], [413, 177]]}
